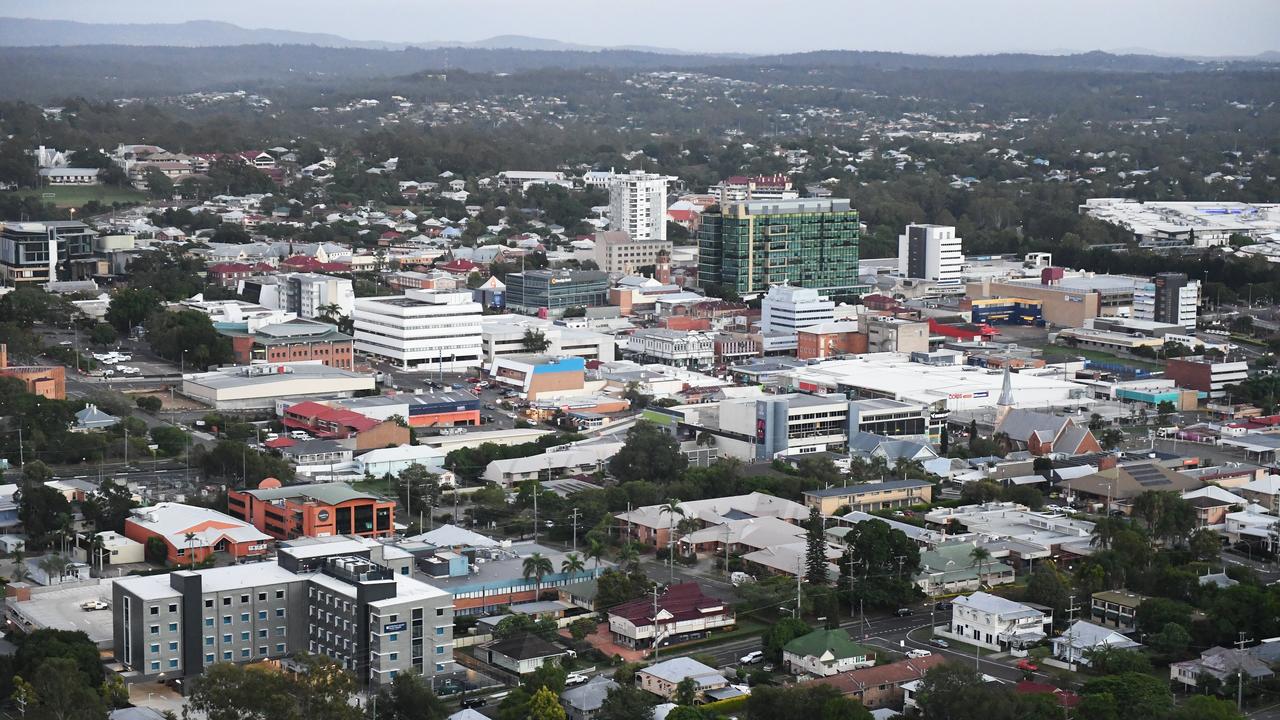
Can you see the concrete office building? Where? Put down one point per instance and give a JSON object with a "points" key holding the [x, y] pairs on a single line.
{"points": [[617, 253], [504, 335], [370, 619], [638, 205], [1208, 376], [889, 334], [672, 347], [40, 252], [1066, 301], [1168, 298], [786, 309], [748, 246], [293, 340], [301, 293], [556, 290], [755, 187], [260, 386], [930, 252], [422, 329]]}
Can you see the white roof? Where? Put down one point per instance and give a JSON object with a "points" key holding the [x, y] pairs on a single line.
{"points": [[401, 453], [986, 602], [1216, 493], [1269, 485], [677, 669], [175, 520], [1084, 634], [454, 536], [714, 510], [760, 532]]}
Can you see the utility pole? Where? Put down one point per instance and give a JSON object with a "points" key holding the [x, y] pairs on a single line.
{"points": [[799, 575], [655, 623], [21, 452], [1071, 615], [573, 518], [1240, 674]]}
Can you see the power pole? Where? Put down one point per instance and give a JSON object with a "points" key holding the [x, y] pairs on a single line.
{"points": [[1071, 614], [799, 575], [573, 518], [655, 622], [1240, 674], [21, 451]]}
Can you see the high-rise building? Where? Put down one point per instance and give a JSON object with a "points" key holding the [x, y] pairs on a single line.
{"points": [[425, 329], [930, 252], [812, 243], [1168, 298], [40, 252], [638, 204], [616, 252], [309, 295], [755, 187], [786, 309]]}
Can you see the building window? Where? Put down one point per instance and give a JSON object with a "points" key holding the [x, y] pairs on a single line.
{"points": [[244, 617], [155, 647], [244, 598], [173, 663], [155, 665], [155, 629], [262, 633], [173, 627], [279, 594], [262, 614], [440, 630], [226, 654], [439, 649], [262, 596], [208, 603], [279, 612], [173, 646], [279, 647], [173, 607], [226, 600], [208, 622], [155, 609], [209, 659], [245, 653], [226, 638], [244, 635]]}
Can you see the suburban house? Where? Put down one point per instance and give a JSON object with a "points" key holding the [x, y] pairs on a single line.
{"points": [[1041, 433], [866, 497], [949, 569], [824, 653], [1221, 663], [995, 623], [662, 678], [651, 526], [880, 686], [683, 612], [1116, 609], [1074, 645], [742, 536], [1116, 486], [584, 701], [520, 655]]}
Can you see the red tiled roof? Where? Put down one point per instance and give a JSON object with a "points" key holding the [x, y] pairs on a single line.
{"points": [[1065, 698], [458, 266], [280, 442], [685, 601], [856, 681], [229, 267], [315, 412]]}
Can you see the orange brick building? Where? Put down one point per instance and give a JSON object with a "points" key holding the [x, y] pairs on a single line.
{"points": [[48, 381], [828, 340], [294, 341], [319, 510], [331, 423], [194, 532]]}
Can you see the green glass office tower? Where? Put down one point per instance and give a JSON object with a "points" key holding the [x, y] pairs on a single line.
{"points": [[812, 243]]}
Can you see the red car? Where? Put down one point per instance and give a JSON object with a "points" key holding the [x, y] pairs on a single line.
{"points": [[1027, 665]]}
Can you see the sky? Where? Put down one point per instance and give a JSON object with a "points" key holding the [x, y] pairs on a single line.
{"points": [[934, 27]]}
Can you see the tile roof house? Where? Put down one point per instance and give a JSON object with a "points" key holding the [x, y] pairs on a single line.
{"points": [[662, 678], [1222, 663], [824, 653], [1120, 484], [684, 612], [1042, 433], [880, 686]]}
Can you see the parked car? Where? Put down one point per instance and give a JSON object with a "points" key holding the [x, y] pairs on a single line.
{"points": [[904, 612], [575, 678], [752, 657], [942, 606], [938, 642], [473, 702], [1027, 665], [94, 605], [767, 667]]}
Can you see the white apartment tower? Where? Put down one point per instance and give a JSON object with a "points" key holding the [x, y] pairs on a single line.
{"points": [[422, 329], [930, 252], [638, 205], [786, 309]]}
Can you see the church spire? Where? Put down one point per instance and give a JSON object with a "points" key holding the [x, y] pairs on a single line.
{"points": [[1006, 390]]}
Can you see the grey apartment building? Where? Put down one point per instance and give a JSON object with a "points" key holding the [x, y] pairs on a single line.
{"points": [[556, 290], [370, 617]]}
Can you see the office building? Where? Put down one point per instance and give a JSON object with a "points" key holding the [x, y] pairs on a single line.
{"points": [[422, 329], [1066, 300], [307, 295], [869, 497], [786, 309], [755, 187], [370, 619], [1168, 298], [671, 347], [260, 386], [930, 252], [750, 245], [48, 381], [291, 341], [1208, 376], [315, 510], [40, 252], [617, 253], [505, 335], [540, 376], [890, 334], [555, 291], [638, 205]]}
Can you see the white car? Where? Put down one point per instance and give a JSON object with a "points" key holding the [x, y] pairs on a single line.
{"points": [[575, 678], [65, 343], [130, 370], [917, 653], [124, 357], [94, 605], [752, 657]]}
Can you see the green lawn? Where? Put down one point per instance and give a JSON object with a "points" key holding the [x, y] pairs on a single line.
{"points": [[1057, 352], [75, 196]]}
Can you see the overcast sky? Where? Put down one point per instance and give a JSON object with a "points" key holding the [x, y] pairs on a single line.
{"points": [[940, 27]]}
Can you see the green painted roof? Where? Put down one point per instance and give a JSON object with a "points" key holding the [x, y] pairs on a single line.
{"points": [[819, 642]]}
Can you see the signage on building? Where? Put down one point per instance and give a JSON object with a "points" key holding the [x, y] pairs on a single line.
{"points": [[394, 627], [323, 516]]}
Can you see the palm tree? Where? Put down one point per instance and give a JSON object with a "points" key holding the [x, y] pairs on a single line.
{"points": [[20, 573], [672, 509], [537, 566], [97, 551], [595, 551], [190, 538], [572, 563], [629, 555], [52, 565], [980, 556], [66, 529]]}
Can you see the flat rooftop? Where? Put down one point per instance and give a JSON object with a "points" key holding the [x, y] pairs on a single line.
{"points": [[59, 609]]}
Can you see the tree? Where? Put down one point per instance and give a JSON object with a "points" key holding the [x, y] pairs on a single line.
{"points": [[409, 697], [1136, 696], [781, 633], [42, 645], [544, 705], [815, 556], [170, 441], [686, 692], [537, 566], [572, 563], [1206, 707], [614, 587], [321, 691], [65, 693], [885, 560], [159, 185], [626, 702], [1111, 439], [648, 454], [1108, 660], [980, 557], [1157, 612], [156, 552], [595, 551], [149, 403], [103, 334], [582, 627], [131, 307], [1205, 545], [535, 341], [188, 337], [551, 676], [671, 509], [40, 507], [1048, 586], [1171, 640]]}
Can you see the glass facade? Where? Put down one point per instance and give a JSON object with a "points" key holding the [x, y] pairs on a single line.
{"points": [[749, 246], [556, 290]]}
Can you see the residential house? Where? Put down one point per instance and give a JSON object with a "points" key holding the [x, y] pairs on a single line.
{"points": [[584, 701], [867, 497], [1041, 433], [1083, 637], [825, 653], [996, 623], [741, 536], [1115, 486], [880, 686], [1116, 608], [950, 568], [650, 525], [681, 613], [662, 678], [1265, 492], [91, 418], [1222, 664], [520, 655]]}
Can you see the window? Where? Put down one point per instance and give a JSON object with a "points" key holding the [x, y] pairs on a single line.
{"points": [[279, 647], [226, 654], [439, 612], [262, 596], [173, 645], [173, 663], [244, 598], [439, 667], [208, 602], [155, 665], [226, 600], [280, 631], [393, 637], [244, 617], [439, 649], [245, 653], [208, 640], [395, 656], [155, 647], [173, 607], [440, 630], [173, 627], [226, 619], [262, 633], [154, 609], [262, 614], [208, 622], [279, 612], [262, 650], [279, 594], [226, 638], [155, 629], [244, 635], [209, 659]]}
